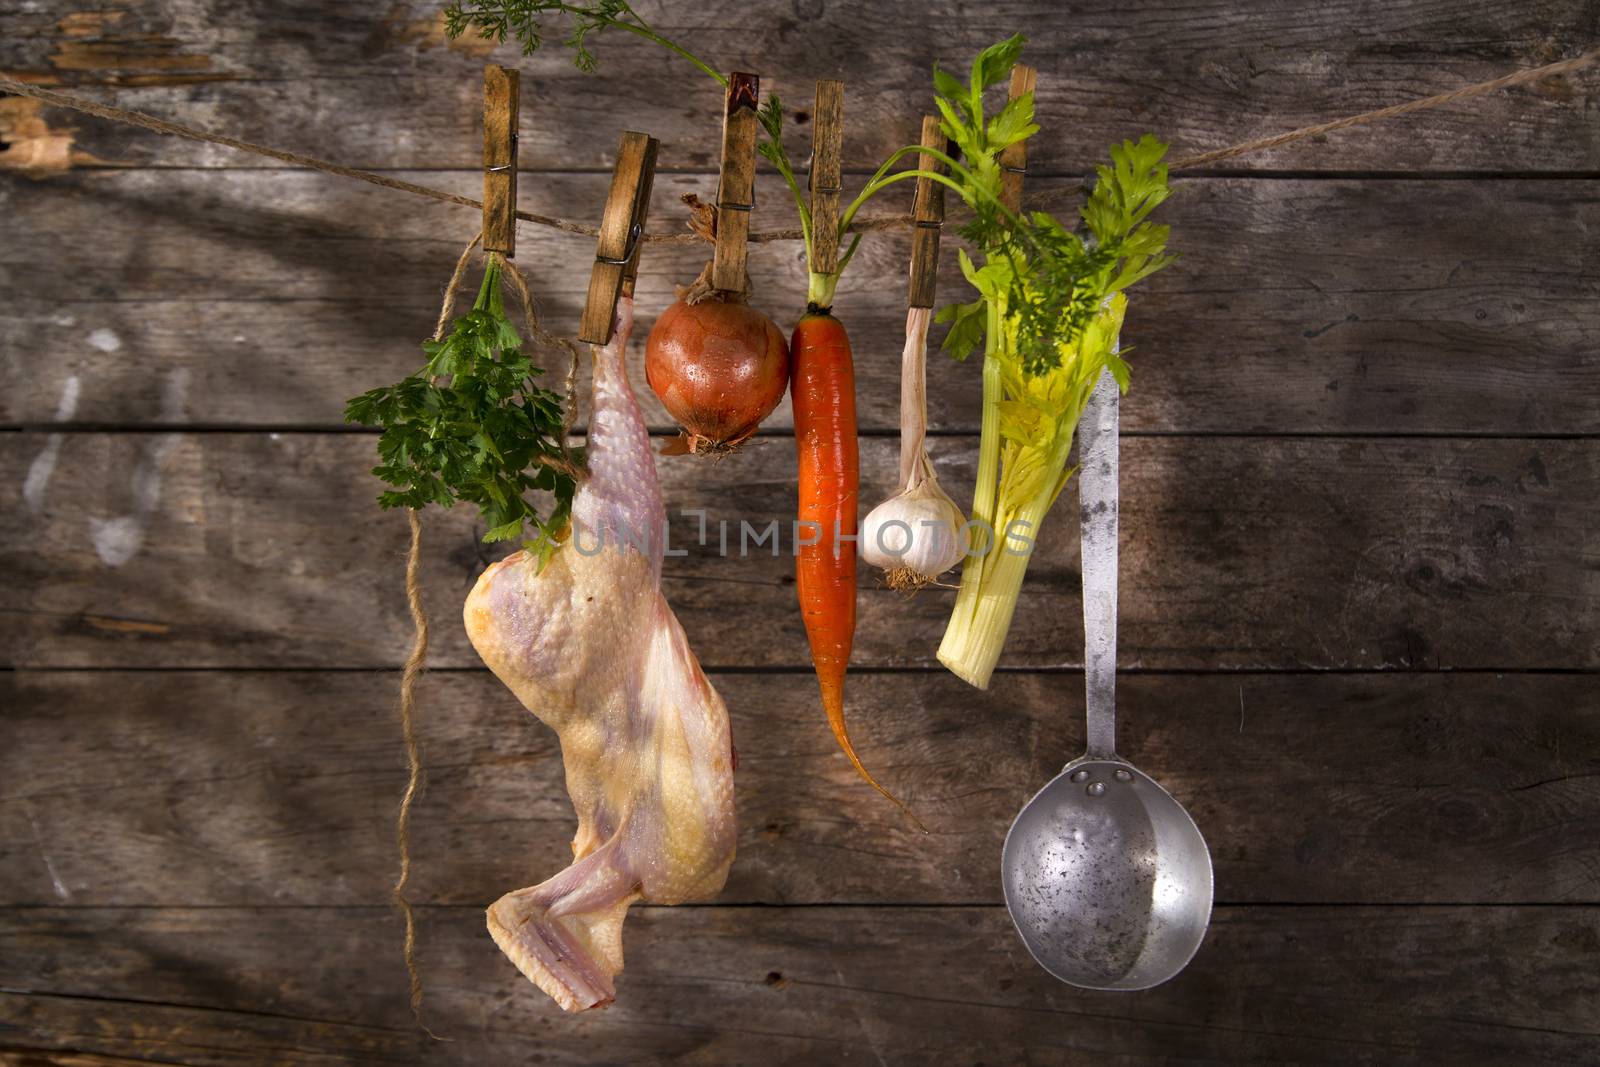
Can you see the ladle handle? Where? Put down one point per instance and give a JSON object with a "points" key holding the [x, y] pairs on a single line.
{"points": [[1097, 495]]}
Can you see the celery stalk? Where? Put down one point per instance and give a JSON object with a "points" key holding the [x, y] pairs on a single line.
{"points": [[1028, 427], [1049, 307], [991, 584]]}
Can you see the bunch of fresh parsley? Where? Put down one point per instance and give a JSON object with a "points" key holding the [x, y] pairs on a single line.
{"points": [[471, 426]]}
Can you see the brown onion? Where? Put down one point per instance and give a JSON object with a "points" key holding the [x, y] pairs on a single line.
{"points": [[719, 369]]}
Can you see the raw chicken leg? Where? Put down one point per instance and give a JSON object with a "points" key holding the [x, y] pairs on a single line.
{"points": [[590, 646]]}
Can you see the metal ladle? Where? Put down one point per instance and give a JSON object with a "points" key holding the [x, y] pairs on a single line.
{"points": [[1106, 876]]}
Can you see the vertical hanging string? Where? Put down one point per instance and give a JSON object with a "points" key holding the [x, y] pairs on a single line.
{"points": [[448, 308], [408, 680], [415, 664], [537, 332]]}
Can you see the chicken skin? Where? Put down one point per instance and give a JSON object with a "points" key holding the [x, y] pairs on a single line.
{"points": [[590, 646]]}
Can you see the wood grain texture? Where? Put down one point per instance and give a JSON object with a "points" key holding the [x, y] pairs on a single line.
{"points": [[502, 115], [1202, 74], [1299, 306], [736, 190], [928, 212], [716, 986], [826, 178], [194, 863], [159, 789], [617, 249], [245, 550], [48, 1058], [1014, 159]]}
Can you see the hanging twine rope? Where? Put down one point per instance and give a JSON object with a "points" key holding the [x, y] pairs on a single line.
{"points": [[417, 659], [416, 663], [447, 310], [537, 331], [1466, 92], [888, 222]]}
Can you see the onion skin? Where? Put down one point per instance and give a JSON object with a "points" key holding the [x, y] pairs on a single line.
{"points": [[718, 368]]}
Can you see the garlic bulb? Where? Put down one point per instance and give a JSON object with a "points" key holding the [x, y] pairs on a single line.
{"points": [[919, 533]]}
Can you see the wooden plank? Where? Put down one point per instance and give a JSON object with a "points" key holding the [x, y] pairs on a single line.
{"points": [[239, 550], [1352, 307], [279, 788], [47, 1058], [802, 986], [52, 1058], [1202, 74], [173, 1034]]}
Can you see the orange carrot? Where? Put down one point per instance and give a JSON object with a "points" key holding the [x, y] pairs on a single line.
{"points": [[823, 387]]}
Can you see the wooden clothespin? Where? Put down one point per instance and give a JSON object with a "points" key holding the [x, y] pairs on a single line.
{"points": [[1014, 158], [736, 190], [927, 213], [827, 149], [616, 253], [500, 120]]}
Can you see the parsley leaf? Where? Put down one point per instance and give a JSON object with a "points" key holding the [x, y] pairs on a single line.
{"points": [[471, 426]]}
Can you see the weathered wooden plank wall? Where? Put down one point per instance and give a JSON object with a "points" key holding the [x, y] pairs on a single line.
{"points": [[1359, 599], [1295, 286]]}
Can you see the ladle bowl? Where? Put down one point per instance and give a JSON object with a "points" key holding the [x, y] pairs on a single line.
{"points": [[1105, 875], [1107, 878]]}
